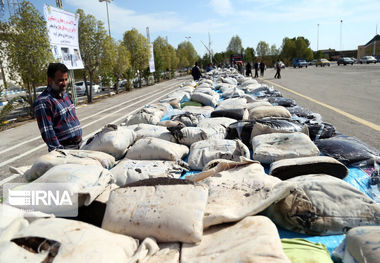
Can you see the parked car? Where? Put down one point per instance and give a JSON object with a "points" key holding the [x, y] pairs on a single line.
{"points": [[40, 89], [354, 60], [368, 59], [81, 88], [322, 62], [299, 63], [313, 62], [345, 61]]}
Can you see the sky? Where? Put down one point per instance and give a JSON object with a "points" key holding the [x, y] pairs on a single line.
{"points": [[252, 20]]}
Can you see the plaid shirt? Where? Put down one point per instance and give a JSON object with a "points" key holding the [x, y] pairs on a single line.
{"points": [[56, 118]]}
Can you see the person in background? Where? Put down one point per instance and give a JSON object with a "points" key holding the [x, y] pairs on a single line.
{"points": [[248, 70], [256, 66], [209, 67], [278, 69], [196, 72], [262, 68], [55, 112]]}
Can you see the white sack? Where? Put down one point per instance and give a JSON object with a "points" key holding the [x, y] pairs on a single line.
{"points": [[144, 130], [128, 171], [190, 135], [156, 149], [205, 110], [268, 148], [205, 151], [363, 243], [269, 111], [253, 239], [60, 156], [205, 99], [232, 104], [169, 210], [150, 115], [112, 139]]}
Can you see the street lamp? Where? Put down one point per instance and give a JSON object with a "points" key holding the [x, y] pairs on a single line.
{"points": [[108, 17], [341, 22]]}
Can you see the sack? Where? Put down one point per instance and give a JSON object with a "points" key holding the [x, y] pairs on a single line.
{"points": [[205, 110], [268, 148], [232, 104], [150, 115], [278, 125], [205, 99], [167, 209], [323, 205], [281, 101], [129, 171], [207, 150], [88, 181], [268, 111], [189, 119], [256, 104], [63, 240], [156, 149], [253, 239], [289, 168], [148, 130], [237, 190], [219, 123], [348, 150], [60, 156], [363, 243], [237, 114], [241, 130], [190, 135], [151, 252], [112, 139]]}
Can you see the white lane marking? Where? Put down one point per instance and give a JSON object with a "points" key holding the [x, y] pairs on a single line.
{"points": [[86, 137], [81, 120]]}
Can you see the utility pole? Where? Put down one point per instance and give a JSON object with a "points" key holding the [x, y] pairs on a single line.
{"points": [[108, 17], [148, 34], [317, 37], [341, 24]]}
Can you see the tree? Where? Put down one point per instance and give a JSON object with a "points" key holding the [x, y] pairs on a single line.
{"points": [[122, 64], [296, 48], [262, 49], [27, 47], [92, 35], [108, 61], [235, 46], [186, 54], [138, 47], [274, 51], [249, 54]]}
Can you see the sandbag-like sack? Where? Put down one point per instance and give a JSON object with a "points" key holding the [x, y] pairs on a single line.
{"points": [[167, 209], [190, 135], [237, 114], [281, 101], [205, 99], [268, 111], [323, 205], [60, 156], [348, 150], [129, 171], [157, 149], [205, 151], [237, 190], [268, 148], [253, 239], [363, 243], [150, 251], [277, 125], [189, 119], [144, 130], [217, 123], [150, 115], [112, 139], [63, 240], [232, 104], [241, 130], [289, 168], [256, 104]]}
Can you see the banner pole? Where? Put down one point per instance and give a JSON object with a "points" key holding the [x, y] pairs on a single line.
{"points": [[73, 90]]}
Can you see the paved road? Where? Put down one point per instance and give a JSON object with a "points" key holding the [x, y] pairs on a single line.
{"points": [[20, 146], [346, 96]]}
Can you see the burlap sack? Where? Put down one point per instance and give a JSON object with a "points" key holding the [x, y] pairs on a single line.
{"points": [[156, 149], [190, 135], [144, 130], [63, 240], [237, 190], [169, 210], [205, 110], [289, 168], [205, 151], [129, 171], [253, 239], [219, 123], [268, 111], [150, 115], [268, 148], [363, 243], [60, 156], [324, 205], [205, 99], [112, 139]]}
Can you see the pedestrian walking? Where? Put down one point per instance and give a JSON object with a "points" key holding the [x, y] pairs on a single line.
{"points": [[278, 69], [196, 72], [55, 112], [262, 68], [256, 66], [248, 70]]}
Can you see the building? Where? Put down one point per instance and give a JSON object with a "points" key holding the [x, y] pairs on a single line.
{"points": [[372, 48]]}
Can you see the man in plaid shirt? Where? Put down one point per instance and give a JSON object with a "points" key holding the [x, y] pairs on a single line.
{"points": [[55, 112]]}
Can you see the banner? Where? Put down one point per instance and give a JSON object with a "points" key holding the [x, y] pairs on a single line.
{"points": [[152, 67], [63, 36]]}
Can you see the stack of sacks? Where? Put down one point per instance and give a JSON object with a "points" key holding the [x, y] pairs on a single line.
{"points": [[112, 139], [58, 157]]}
